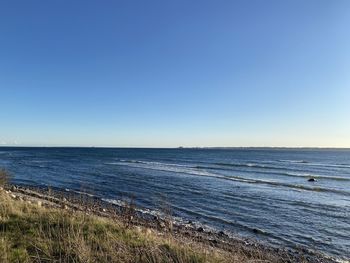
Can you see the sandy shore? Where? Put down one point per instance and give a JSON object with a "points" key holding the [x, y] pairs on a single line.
{"points": [[131, 215]]}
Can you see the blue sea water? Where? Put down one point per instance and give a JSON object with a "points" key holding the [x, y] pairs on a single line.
{"points": [[259, 193]]}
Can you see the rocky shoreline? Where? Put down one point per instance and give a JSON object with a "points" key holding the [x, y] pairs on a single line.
{"points": [[130, 215]]}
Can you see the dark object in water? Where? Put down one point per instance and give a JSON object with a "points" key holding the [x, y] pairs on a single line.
{"points": [[311, 180]]}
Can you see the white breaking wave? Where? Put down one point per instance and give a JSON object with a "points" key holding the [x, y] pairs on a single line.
{"points": [[293, 161], [167, 167], [152, 212]]}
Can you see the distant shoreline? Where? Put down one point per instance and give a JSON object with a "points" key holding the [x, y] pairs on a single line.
{"points": [[179, 148]]}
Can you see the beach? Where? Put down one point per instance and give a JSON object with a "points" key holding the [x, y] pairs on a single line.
{"points": [[236, 249]]}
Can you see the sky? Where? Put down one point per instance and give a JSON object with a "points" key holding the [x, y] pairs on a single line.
{"points": [[175, 73]]}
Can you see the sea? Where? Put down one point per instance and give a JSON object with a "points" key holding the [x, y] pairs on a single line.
{"points": [[259, 193]]}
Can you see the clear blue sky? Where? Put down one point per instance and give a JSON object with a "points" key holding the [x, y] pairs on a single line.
{"points": [[169, 73]]}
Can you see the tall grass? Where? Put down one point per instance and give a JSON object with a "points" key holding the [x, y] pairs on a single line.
{"points": [[4, 177], [32, 233]]}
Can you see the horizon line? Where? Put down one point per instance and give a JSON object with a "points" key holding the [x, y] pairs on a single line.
{"points": [[176, 147]]}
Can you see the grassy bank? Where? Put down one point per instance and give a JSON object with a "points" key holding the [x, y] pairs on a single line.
{"points": [[32, 233]]}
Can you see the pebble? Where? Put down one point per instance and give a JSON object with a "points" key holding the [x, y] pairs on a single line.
{"points": [[214, 241], [200, 229], [222, 233]]}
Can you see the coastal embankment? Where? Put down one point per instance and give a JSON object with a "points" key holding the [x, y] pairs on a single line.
{"points": [[47, 225]]}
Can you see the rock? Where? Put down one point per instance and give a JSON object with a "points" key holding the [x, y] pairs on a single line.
{"points": [[148, 231], [214, 241], [39, 203], [170, 225], [311, 180], [13, 196], [222, 233], [255, 230], [200, 229]]}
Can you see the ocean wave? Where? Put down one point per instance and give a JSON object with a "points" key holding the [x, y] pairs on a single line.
{"points": [[307, 175], [163, 167], [36, 165], [282, 173], [293, 186], [221, 220], [40, 161], [192, 171], [152, 212], [335, 165], [302, 187], [250, 165], [152, 163], [293, 161], [328, 177], [346, 166]]}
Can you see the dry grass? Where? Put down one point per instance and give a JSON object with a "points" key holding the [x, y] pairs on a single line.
{"points": [[31, 233], [4, 177]]}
